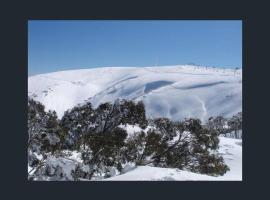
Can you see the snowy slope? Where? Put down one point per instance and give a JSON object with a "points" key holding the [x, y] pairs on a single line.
{"points": [[232, 154], [170, 91]]}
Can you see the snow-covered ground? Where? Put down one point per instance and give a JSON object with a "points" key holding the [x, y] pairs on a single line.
{"points": [[231, 150], [175, 92]]}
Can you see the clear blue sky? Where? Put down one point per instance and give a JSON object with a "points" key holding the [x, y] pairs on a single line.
{"points": [[60, 45]]}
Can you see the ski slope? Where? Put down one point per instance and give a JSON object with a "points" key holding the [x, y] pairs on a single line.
{"points": [[175, 92]]}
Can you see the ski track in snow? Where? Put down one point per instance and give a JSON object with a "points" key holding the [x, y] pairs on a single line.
{"points": [[203, 108]]}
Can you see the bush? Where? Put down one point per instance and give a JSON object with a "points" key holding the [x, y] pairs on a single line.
{"points": [[43, 128], [212, 165], [105, 147]]}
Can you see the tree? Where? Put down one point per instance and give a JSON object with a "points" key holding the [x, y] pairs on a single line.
{"points": [[43, 128], [43, 134], [50, 136], [106, 150], [133, 113], [104, 145], [189, 143], [76, 124], [36, 123], [235, 124], [218, 123]]}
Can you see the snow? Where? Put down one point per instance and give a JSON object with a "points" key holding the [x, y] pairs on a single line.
{"points": [[65, 164], [131, 129], [175, 92], [147, 173], [29, 169], [229, 148], [73, 155], [232, 153], [38, 156]]}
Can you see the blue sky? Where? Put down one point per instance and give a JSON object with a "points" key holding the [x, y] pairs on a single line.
{"points": [[55, 45]]}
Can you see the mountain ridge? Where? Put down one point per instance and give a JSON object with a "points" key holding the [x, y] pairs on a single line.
{"points": [[175, 92]]}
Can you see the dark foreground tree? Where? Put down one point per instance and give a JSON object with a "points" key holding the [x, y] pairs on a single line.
{"points": [[98, 134], [106, 151], [183, 145], [43, 128], [76, 123]]}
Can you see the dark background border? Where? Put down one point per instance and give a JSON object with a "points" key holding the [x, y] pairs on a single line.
{"points": [[14, 99]]}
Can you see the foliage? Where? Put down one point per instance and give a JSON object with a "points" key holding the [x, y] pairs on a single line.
{"points": [[106, 147]]}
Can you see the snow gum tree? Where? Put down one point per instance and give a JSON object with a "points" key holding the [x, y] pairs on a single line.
{"points": [[98, 134], [43, 128], [235, 124]]}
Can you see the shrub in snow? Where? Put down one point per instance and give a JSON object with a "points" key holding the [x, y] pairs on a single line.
{"points": [[235, 124], [134, 113], [228, 127], [83, 120], [211, 164], [134, 147], [101, 140], [43, 136], [76, 123], [106, 149], [81, 172], [218, 123], [184, 145], [202, 154], [44, 131], [55, 168], [36, 124]]}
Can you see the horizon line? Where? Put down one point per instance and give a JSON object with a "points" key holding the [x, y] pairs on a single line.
{"points": [[95, 67]]}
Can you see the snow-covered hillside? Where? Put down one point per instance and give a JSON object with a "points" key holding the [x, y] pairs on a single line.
{"points": [[175, 92], [231, 150]]}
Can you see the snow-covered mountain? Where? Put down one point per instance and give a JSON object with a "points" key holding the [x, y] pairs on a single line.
{"points": [[175, 92]]}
